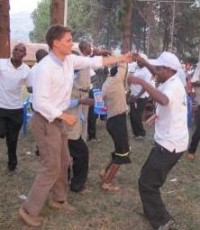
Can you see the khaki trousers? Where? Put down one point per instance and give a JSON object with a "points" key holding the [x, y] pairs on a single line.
{"points": [[52, 177]]}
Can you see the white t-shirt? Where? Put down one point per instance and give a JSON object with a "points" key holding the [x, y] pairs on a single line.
{"points": [[144, 74], [196, 78], [12, 81], [171, 129], [53, 82]]}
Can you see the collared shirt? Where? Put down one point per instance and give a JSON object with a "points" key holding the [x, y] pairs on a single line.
{"points": [[53, 81], [12, 81], [171, 129], [196, 78], [144, 74]]}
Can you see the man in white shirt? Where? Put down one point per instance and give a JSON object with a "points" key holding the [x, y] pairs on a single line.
{"points": [[139, 99], [51, 98], [171, 136], [13, 75], [88, 126], [196, 135]]}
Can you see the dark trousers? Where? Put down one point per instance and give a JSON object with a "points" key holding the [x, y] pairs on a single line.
{"points": [[80, 154], [117, 128], [136, 110], [92, 117], [10, 124], [153, 175], [196, 135]]}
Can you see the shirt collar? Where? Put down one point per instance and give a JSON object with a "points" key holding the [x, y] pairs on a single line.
{"points": [[11, 64], [55, 59]]}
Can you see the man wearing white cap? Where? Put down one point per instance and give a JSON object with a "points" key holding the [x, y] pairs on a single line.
{"points": [[171, 136]]}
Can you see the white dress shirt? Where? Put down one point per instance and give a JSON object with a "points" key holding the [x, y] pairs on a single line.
{"points": [[53, 82]]}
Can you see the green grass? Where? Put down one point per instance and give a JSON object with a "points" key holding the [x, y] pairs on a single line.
{"points": [[100, 210]]}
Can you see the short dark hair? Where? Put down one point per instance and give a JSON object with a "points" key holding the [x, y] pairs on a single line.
{"points": [[22, 46], [83, 45], [55, 32], [41, 53]]}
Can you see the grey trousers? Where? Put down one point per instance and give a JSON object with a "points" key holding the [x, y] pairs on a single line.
{"points": [[52, 177]]}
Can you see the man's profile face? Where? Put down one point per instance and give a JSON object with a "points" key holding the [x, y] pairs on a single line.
{"points": [[19, 52], [64, 45], [160, 72]]}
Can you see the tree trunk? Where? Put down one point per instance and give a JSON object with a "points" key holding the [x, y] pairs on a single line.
{"points": [[57, 12], [4, 29], [126, 25]]}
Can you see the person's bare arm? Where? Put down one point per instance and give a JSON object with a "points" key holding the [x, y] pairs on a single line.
{"points": [[124, 58], [157, 95], [86, 101]]}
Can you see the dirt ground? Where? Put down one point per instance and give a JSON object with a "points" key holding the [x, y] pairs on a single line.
{"points": [[98, 210]]}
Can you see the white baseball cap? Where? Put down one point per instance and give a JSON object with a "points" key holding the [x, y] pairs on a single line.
{"points": [[167, 59]]}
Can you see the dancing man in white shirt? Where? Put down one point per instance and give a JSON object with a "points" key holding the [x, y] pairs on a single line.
{"points": [[171, 136], [51, 98]]}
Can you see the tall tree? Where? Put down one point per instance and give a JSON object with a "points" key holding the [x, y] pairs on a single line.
{"points": [[126, 25], [57, 11], [41, 21], [4, 28]]}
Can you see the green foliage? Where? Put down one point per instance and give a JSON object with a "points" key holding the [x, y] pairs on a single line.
{"points": [[102, 22], [81, 17], [187, 30], [41, 19]]}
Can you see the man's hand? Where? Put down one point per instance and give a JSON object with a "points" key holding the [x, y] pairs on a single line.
{"points": [[128, 57], [69, 119], [87, 101]]}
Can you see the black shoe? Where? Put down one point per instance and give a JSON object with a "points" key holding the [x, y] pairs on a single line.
{"points": [[77, 188], [37, 152], [12, 166]]}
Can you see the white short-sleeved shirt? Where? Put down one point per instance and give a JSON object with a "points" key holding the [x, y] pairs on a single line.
{"points": [[171, 129], [53, 82], [196, 78], [11, 82], [144, 74]]}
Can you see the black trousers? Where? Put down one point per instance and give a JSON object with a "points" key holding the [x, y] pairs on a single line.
{"points": [[80, 154], [11, 121], [136, 110], [92, 118], [152, 177], [196, 135]]}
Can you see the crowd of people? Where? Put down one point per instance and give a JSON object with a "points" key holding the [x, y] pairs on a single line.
{"points": [[63, 115]]}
